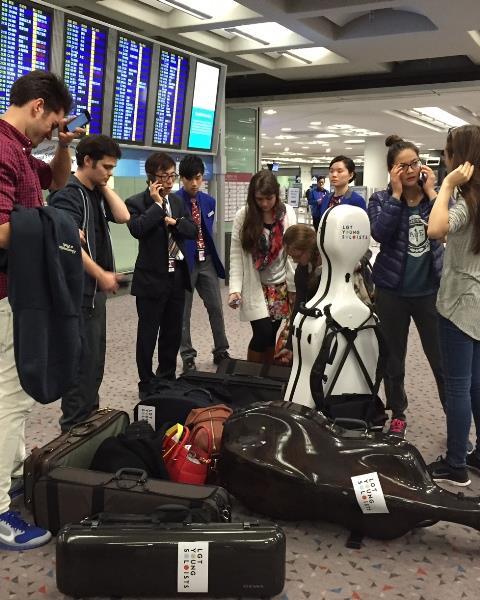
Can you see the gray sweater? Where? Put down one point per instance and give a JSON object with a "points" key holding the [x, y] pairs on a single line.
{"points": [[459, 294]]}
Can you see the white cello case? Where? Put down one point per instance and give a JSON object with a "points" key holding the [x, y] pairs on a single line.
{"points": [[343, 238]]}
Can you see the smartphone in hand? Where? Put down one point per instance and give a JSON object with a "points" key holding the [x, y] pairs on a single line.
{"points": [[81, 120]]}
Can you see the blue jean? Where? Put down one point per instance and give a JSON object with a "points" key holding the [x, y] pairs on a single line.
{"points": [[461, 367]]}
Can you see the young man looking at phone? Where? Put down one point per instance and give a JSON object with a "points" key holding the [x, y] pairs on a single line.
{"points": [[91, 203], [204, 263], [38, 104], [161, 223]]}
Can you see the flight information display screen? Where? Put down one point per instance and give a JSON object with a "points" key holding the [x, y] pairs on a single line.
{"points": [[204, 105], [25, 35], [170, 107], [132, 75], [84, 68]]}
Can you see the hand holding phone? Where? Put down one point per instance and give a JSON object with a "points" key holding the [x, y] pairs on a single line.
{"points": [[155, 188], [81, 120], [234, 300]]}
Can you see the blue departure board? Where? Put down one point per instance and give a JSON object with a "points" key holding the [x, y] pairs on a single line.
{"points": [[132, 75], [170, 107], [25, 34], [84, 67]]}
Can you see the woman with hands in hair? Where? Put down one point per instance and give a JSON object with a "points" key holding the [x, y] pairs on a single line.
{"points": [[459, 301], [407, 270], [261, 278]]}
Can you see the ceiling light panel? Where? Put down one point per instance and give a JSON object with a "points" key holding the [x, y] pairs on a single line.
{"points": [[265, 33], [441, 116], [311, 54], [202, 9], [355, 141]]}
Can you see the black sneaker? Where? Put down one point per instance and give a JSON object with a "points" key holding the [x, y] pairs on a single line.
{"points": [[441, 471], [473, 461], [189, 364], [217, 358]]}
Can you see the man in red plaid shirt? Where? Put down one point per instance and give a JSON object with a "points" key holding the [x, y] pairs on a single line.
{"points": [[39, 102]]}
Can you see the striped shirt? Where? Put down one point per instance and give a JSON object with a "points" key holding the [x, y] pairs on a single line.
{"points": [[459, 295]]}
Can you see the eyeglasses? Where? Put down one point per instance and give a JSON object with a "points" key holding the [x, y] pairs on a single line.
{"points": [[166, 176], [415, 164]]}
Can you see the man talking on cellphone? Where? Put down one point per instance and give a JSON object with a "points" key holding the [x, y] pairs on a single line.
{"points": [[161, 223]]}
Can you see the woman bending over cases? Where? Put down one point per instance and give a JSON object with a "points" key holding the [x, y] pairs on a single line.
{"points": [[261, 278], [458, 301], [300, 243], [407, 270]]}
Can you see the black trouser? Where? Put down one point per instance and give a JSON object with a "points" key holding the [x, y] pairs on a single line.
{"points": [[395, 313], [160, 318], [316, 222], [264, 334], [83, 399]]}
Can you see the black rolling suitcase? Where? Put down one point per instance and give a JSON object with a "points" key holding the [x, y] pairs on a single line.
{"points": [[235, 366], [238, 390], [67, 495], [126, 557], [73, 449]]}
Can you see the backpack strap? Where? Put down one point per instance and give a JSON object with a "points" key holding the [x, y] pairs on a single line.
{"points": [[328, 353]]}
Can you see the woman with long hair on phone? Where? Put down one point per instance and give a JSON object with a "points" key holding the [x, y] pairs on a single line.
{"points": [[407, 269], [261, 278], [458, 301]]}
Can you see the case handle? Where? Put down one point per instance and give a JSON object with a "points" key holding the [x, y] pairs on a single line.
{"points": [[128, 478]]}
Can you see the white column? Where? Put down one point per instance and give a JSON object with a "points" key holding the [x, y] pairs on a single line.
{"points": [[375, 174]]}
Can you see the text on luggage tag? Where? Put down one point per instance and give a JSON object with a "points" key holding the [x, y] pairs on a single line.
{"points": [[192, 571], [369, 493]]}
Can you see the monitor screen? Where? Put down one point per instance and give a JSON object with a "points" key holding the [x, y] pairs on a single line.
{"points": [[202, 119], [24, 41], [170, 106], [132, 75], [84, 68]]}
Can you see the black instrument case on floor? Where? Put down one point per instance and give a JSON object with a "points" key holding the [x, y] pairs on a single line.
{"points": [[235, 366], [73, 449], [237, 390], [126, 557], [67, 495]]}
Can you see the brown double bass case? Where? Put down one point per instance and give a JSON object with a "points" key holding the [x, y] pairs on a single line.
{"points": [[290, 462]]}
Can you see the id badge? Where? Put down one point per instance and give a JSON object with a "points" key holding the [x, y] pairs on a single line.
{"points": [[171, 265], [201, 255]]}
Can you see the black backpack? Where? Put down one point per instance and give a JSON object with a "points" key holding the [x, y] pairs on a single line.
{"points": [[349, 408]]}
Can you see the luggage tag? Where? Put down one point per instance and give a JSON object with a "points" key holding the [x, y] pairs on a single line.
{"points": [[201, 255], [171, 265]]}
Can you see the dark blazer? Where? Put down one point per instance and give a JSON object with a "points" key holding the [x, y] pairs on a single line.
{"points": [[207, 206], [147, 225]]}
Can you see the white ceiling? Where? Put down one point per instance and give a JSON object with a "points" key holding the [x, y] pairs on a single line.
{"points": [[365, 41], [361, 110]]}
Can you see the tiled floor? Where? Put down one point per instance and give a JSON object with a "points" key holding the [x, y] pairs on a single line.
{"points": [[437, 563]]}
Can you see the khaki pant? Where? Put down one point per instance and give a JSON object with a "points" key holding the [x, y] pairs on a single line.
{"points": [[15, 405]]}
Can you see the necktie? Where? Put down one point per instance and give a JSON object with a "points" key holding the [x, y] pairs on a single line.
{"points": [[197, 220], [173, 248]]}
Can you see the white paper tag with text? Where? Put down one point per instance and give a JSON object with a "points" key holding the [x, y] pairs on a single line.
{"points": [[192, 572], [369, 493], [146, 413]]}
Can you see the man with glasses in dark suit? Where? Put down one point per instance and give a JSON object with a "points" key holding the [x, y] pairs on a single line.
{"points": [[161, 223]]}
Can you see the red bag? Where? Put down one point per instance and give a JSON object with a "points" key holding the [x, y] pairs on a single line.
{"points": [[186, 465]]}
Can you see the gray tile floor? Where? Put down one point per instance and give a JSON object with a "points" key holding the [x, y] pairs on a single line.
{"points": [[437, 563]]}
